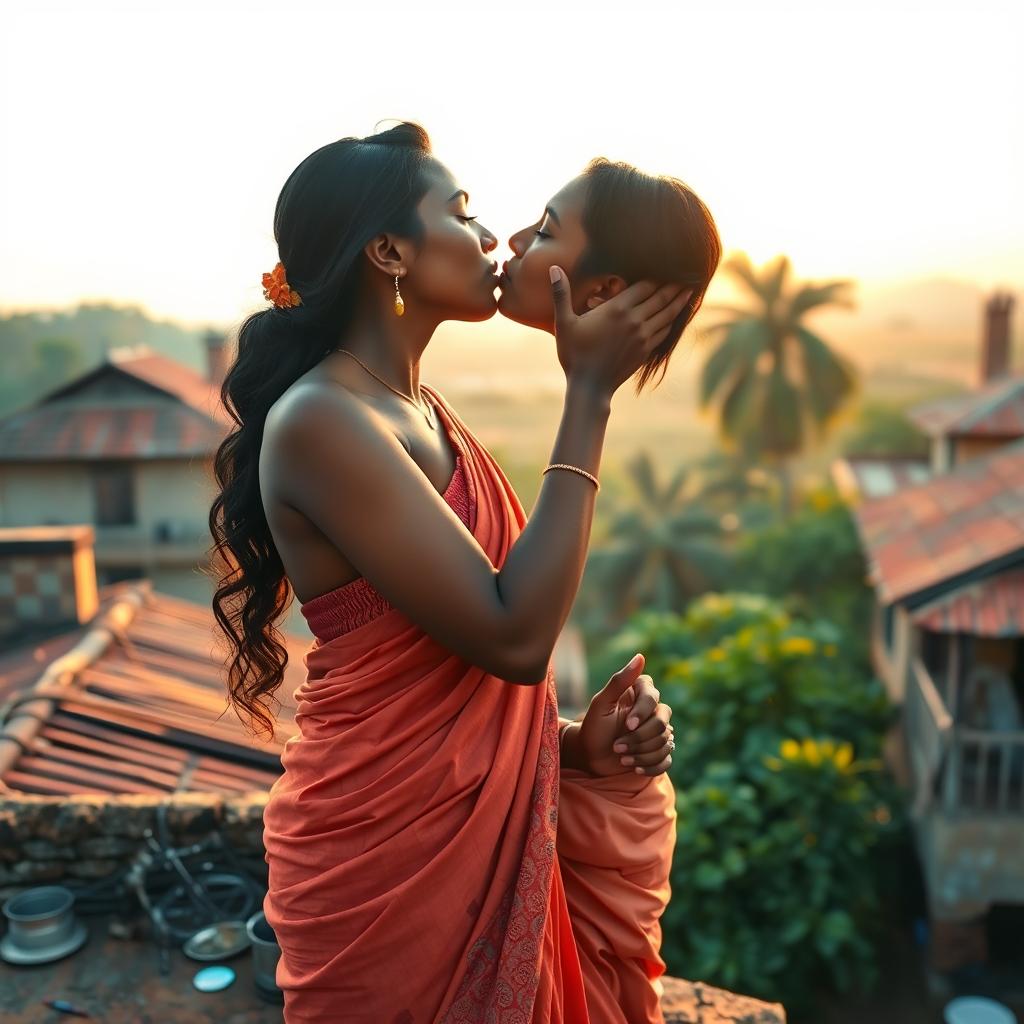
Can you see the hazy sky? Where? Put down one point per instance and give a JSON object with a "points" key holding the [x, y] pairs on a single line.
{"points": [[144, 144]]}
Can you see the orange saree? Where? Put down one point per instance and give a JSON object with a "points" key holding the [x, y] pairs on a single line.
{"points": [[417, 872]]}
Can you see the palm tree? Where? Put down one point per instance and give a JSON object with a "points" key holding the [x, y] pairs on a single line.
{"points": [[776, 385], [664, 546], [739, 490]]}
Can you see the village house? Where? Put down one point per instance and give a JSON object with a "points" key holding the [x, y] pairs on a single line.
{"points": [[946, 558], [127, 448]]}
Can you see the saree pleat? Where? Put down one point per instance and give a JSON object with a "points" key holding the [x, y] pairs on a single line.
{"points": [[616, 837]]}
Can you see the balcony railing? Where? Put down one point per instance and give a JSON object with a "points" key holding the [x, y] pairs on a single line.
{"points": [[165, 542], [929, 728], [985, 773], [970, 771]]}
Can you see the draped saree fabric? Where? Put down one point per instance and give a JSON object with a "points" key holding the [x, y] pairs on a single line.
{"points": [[616, 837], [411, 838]]}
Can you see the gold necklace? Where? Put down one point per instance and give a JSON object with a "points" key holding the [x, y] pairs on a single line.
{"points": [[429, 416]]}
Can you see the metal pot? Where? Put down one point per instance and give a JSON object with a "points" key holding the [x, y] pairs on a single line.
{"points": [[41, 925], [265, 954]]}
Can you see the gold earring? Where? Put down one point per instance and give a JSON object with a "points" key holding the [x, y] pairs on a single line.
{"points": [[399, 303]]}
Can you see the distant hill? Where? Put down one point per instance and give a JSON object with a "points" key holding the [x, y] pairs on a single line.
{"points": [[43, 350]]}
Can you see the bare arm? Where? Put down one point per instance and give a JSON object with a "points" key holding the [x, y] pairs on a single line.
{"points": [[405, 538], [342, 466], [542, 571]]}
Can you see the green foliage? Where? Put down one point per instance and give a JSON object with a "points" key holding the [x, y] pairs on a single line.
{"points": [[812, 562], [664, 546], [882, 429], [815, 563], [780, 796], [776, 385]]}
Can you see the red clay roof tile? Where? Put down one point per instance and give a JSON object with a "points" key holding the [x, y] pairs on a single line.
{"points": [[924, 535]]}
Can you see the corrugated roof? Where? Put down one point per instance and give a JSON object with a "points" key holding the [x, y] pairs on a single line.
{"points": [[161, 372], [923, 535], [992, 607], [58, 433], [137, 705], [995, 410], [56, 427]]}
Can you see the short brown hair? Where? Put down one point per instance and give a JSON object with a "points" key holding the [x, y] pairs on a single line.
{"points": [[643, 226]]}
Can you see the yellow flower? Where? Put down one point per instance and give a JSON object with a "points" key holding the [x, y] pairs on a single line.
{"points": [[812, 755], [790, 750], [679, 670], [843, 756], [798, 645], [716, 654]]}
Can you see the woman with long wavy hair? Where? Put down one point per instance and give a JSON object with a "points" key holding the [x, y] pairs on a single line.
{"points": [[411, 838]]}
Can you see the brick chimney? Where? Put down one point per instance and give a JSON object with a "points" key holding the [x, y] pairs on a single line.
{"points": [[216, 356], [47, 579], [995, 352]]}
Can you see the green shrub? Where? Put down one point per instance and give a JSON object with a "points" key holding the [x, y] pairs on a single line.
{"points": [[781, 797], [814, 563]]}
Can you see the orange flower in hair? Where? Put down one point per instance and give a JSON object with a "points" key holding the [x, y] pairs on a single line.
{"points": [[276, 288]]}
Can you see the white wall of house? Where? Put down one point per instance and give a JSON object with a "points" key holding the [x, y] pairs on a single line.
{"points": [[179, 490], [43, 494], [62, 494]]}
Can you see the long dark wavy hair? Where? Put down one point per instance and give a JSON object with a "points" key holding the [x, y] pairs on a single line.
{"points": [[332, 205]]}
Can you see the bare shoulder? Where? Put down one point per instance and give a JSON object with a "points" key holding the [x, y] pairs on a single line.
{"points": [[313, 413]]}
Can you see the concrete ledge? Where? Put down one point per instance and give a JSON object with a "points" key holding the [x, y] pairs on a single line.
{"points": [[686, 1002]]}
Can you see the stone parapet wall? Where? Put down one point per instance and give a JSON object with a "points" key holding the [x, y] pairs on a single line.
{"points": [[47, 839], [693, 1002]]}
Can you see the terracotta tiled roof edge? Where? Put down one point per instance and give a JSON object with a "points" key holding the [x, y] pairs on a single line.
{"points": [[955, 415], [892, 586], [25, 721]]}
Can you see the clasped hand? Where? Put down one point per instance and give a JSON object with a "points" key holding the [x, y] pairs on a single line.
{"points": [[626, 728]]}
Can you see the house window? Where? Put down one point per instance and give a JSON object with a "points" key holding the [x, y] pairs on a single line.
{"points": [[113, 487], [935, 655], [889, 626]]}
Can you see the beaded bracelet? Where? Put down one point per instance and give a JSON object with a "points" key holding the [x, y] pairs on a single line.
{"points": [[561, 739], [575, 469]]}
